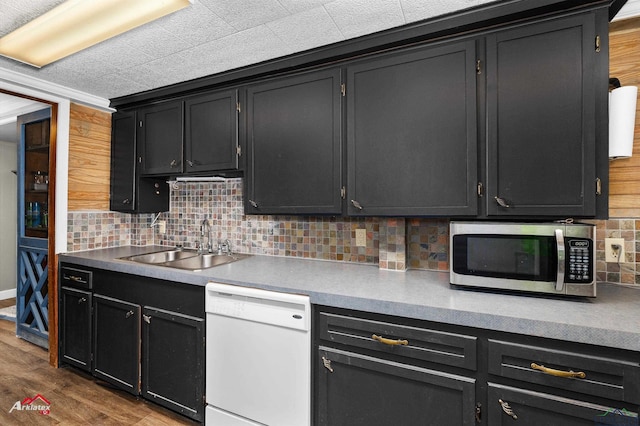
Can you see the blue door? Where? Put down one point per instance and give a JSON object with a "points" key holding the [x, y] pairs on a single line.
{"points": [[32, 305]]}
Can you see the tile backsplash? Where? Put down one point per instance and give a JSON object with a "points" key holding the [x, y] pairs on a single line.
{"points": [[391, 243]]}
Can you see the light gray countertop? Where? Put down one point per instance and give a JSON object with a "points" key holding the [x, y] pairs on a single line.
{"points": [[612, 319]]}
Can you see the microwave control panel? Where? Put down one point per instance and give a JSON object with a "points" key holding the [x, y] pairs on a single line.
{"points": [[579, 261]]}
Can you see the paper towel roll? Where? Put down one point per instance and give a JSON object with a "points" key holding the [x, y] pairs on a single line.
{"points": [[622, 119]]}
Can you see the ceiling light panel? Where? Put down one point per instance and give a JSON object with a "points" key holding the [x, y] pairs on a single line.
{"points": [[77, 24]]}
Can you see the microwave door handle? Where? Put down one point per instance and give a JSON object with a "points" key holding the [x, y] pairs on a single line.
{"points": [[561, 256]]}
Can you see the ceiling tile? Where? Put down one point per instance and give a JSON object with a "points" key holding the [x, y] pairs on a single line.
{"points": [[155, 41], [417, 10], [196, 24], [358, 17], [247, 13], [306, 30], [296, 6], [243, 48]]}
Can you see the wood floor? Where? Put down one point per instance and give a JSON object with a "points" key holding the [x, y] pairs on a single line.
{"points": [[75, 398]]}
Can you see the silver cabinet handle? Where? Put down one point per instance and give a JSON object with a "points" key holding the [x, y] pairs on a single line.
{"points": [[356, 204], [190, 163], [126, 201], [561, 256], [128, 314], [327, 364], [501, 202], [173, 163], [82, 300], [507, 409], [253, 204], [146, 318]]}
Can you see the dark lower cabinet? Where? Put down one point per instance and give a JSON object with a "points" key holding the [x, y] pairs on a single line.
{"points": [[116, 340], [173, 361], [354, 389], [75, 330], [372, 369], [510, 406], [142, 335]]}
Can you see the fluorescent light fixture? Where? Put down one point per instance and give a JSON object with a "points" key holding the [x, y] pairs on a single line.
{"points": [[77, 24]]}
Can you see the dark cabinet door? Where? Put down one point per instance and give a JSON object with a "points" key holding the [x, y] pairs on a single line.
{"points": [[294, 145], [123, 161], [411, 133], [211, 132], [75, 327], [116, 339], [508, 406], [541, 123], [173, 361], [359, 390], [131, 193], [160, 138]]}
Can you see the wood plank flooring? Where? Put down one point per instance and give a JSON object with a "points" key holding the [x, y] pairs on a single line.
{"points": [[76, 398]]}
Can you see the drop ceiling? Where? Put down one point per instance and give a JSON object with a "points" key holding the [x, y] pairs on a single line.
{"points": [[212, 36]]}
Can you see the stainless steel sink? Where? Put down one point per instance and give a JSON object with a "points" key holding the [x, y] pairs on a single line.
{"points": [[185, 259], [205, 261], [162, 256]]}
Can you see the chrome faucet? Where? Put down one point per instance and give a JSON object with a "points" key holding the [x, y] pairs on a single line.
{"points": [[205, 226]]}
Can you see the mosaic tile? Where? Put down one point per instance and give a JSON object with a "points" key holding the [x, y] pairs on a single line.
{"points": [[391, 243]]}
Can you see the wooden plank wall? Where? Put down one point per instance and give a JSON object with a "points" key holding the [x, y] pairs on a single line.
{"points": [[624, 174], [89, 158]]}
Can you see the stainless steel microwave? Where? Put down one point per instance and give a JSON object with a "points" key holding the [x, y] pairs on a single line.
{"points": [[554, 258]]}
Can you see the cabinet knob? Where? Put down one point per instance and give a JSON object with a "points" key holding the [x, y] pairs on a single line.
{"points": [[356, 204], [146, 318], [507, 409], [173, 163], [190, 163], [126, 201], [327, 364], [253, 204], [82, 300], [501, 202], [128, 314]]}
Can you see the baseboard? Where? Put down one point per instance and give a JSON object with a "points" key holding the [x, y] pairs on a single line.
{"points": [[7, 294]]}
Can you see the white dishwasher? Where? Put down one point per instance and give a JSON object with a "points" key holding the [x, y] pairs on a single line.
{"points": [[258, 357]]}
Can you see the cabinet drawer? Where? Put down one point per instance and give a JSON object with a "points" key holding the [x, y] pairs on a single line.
{"points": [[610, 378], [452, 349], [77, 278]]}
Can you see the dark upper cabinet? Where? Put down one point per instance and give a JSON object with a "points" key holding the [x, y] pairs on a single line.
{"points": [[211, 132], [131, 193], [541, 117], [173, 361], [411, 133], [160, 138], [294, 145]]}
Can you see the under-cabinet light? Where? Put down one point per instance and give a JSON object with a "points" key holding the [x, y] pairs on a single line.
{"points": [[77, 24]]}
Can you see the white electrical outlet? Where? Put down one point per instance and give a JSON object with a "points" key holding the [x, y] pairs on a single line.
{"points": [[162, 226], [612, 253], [361, 237]]}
